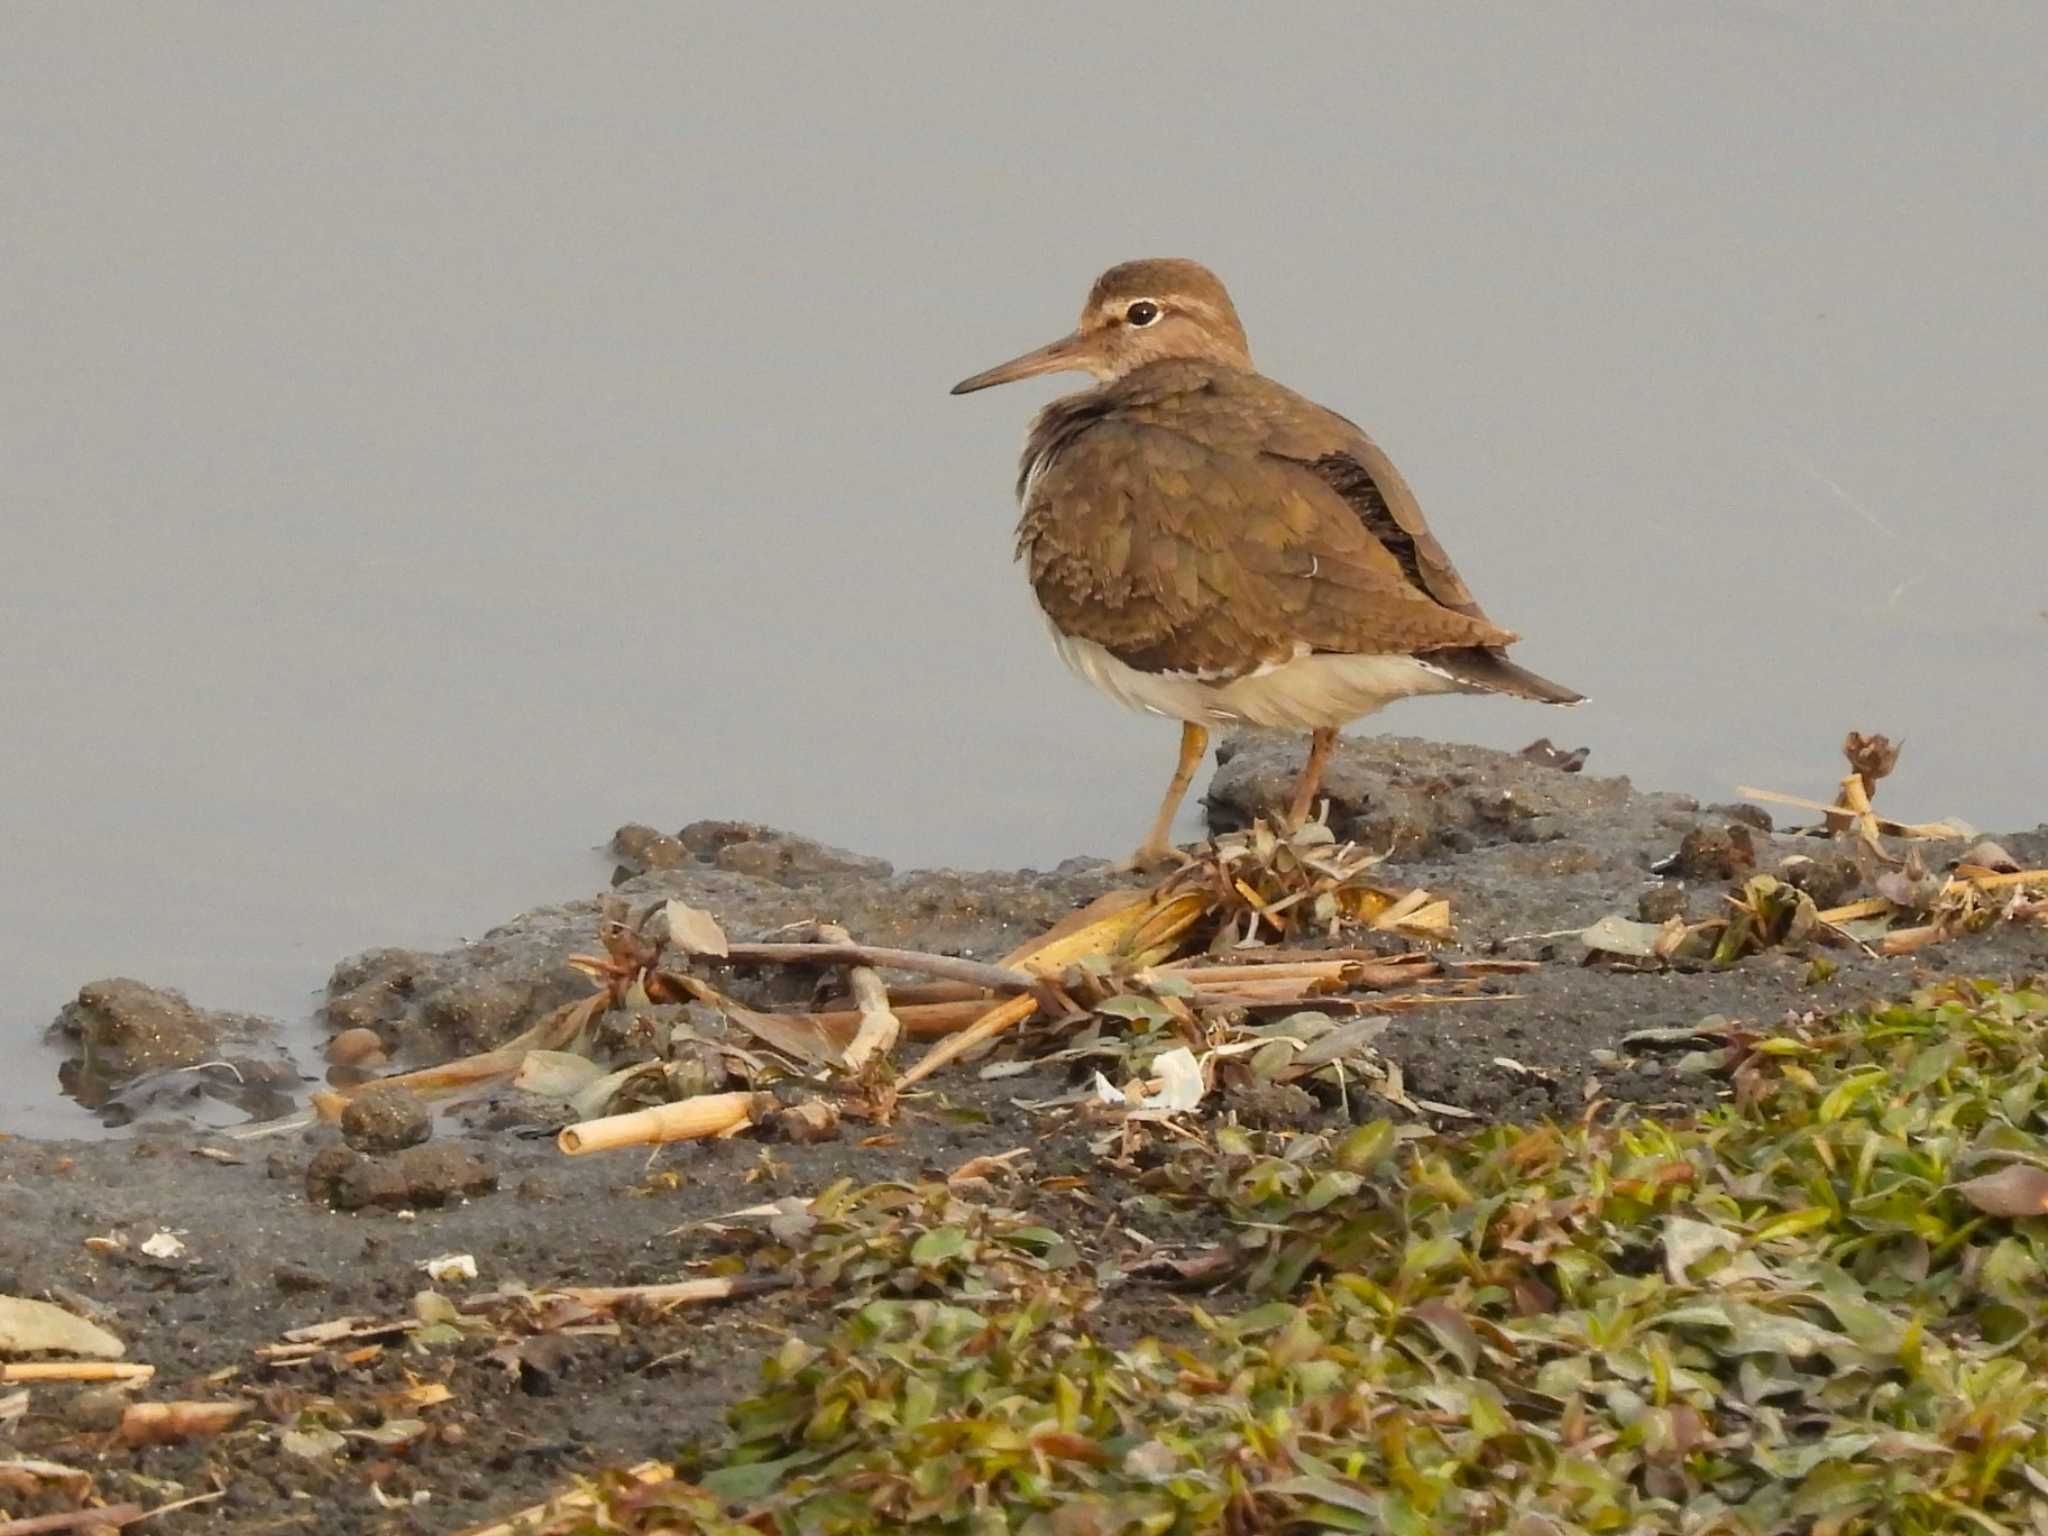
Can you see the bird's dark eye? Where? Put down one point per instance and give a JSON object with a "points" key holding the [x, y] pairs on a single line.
{"points": [[1144, 312]]}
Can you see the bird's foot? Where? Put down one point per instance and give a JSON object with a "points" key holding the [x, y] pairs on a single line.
{"points": [[1298, 815]]}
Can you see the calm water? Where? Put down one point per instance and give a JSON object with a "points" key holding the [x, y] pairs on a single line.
{"points": [[429, 437]]}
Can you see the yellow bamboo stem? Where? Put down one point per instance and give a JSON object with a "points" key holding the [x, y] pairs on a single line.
{"points": [[692, 1119]]}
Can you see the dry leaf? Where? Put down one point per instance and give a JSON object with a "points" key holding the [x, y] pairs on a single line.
{"points": [[556, 1074], [693, 930], [33, 1327], [2017, 1189], [1614, 935]]}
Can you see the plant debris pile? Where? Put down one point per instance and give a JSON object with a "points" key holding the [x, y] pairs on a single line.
{"points": [[665, 1049]]}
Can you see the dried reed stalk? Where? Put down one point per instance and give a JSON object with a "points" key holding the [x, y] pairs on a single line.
{"points": [[692, 1119], [879, 1026], [992, 1023], [76, 1370]]}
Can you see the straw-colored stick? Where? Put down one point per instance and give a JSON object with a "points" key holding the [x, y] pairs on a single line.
{"points": [[999, 1018], [920, 1021], [1890, 828], [670, 1293], [1351, 973], [1000, 978], [879, 1026], [2017, 877], [1870, 906], [692, 1119], [76, 1370], [917, 993]]}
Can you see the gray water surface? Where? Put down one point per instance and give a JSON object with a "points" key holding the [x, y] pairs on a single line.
{"points": [[430, 436]]}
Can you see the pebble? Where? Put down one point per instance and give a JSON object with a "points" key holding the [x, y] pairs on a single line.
{"points": [[386, 1120]]}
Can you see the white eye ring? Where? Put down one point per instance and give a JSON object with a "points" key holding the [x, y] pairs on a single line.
{"points": [[1153, 310]]}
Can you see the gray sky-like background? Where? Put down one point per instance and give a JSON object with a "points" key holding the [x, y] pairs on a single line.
{"points": [[432, 435]]}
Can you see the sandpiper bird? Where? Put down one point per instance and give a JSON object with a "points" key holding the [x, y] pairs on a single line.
{"points": [[1210, 546]]}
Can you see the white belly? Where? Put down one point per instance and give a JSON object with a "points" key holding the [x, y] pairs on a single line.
{"points": [[1305, 694]]}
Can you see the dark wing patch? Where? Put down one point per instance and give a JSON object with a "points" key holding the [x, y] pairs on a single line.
{"points": [[1389, 514], [1350, 479]]}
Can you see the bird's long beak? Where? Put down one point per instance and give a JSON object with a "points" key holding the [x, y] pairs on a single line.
{"points": [[1054, 357]]}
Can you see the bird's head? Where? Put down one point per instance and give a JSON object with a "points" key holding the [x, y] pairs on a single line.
{"points": [[1138, 312]]}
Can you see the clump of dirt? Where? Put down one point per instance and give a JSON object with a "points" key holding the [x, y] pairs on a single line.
{"points": [[386, 1119], [136, 1046], [125, 1028], [417, 1177]]}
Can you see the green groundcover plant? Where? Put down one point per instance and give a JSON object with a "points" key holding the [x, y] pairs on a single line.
{"points": [[1817, 1307]]}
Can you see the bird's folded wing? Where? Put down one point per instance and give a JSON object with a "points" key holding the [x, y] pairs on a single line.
{"points": [[1178, 554], [1353, 466]]}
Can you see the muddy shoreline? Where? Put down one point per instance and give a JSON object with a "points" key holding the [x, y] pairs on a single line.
{"points": [[1526, 852]]}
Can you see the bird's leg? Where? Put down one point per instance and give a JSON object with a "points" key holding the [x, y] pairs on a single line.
{"points": [[1311, 776], [1156, 849]]}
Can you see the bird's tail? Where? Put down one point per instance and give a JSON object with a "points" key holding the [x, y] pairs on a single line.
{"points": [[1486, 669]]}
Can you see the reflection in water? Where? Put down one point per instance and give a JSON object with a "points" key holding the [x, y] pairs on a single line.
{"points": [[214, 1093]]}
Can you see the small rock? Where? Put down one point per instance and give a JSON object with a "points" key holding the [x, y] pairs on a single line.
{"points": [[359, 1011], [640, 848], [1749, 815], [1662, 903], [1830, 879], [1541, 751], [812, 1120], [443, 1173], [381, 1119], [354, 1047], [371, 988], [1716, 853]]}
